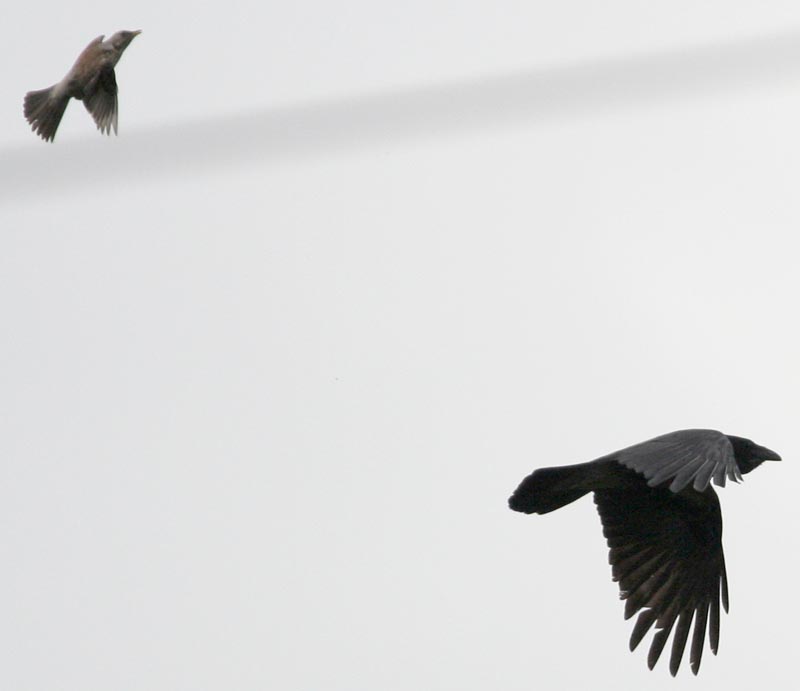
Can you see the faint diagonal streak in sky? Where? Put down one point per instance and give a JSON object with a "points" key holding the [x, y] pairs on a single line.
{"points": [[391, 117]]}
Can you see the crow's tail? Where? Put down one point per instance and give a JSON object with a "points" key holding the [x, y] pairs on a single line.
{"points": [[44, 110], [549, 489]]}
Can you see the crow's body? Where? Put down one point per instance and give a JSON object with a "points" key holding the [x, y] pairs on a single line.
{"points": [[662, 521], [91, 80]]}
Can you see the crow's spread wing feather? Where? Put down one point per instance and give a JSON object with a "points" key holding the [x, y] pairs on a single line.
{"points": [[688, 457], [666, 554]]}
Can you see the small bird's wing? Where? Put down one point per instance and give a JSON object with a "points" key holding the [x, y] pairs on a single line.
{"points": [[666, 553], [692, 456], [91, 48], [86, 58], [100, 100]]}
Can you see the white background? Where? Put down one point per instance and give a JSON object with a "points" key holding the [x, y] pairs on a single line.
{"points": [[273, 359]]}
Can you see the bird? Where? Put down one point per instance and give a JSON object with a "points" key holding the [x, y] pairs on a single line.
{"points": [[663, 525], [91, 80]]}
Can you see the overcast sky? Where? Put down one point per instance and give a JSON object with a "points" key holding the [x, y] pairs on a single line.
{"points": [[273, 359]]}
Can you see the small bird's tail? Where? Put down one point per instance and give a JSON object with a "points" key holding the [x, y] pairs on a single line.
{"points": [[44, 110], [548, 489]]}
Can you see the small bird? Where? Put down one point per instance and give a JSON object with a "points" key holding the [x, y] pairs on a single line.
{"points": [[91, 80], [662, 521]]}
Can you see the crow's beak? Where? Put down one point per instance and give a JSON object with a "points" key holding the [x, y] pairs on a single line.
{"points": [[766, 454]]}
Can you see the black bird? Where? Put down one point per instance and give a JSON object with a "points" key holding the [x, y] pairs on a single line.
{"points": [[91, 80], [662, 521]]}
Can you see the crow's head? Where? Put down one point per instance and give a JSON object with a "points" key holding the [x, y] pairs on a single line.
{"points": [[750, 455]]}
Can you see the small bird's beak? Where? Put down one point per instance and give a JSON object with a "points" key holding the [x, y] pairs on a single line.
{"points": [[766, 454], [137, 32]]}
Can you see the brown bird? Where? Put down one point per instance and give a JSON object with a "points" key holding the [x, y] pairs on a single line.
{"points": [[90, 80]]}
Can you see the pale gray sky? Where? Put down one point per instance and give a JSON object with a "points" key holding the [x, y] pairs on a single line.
{"points": [[274, 358]]}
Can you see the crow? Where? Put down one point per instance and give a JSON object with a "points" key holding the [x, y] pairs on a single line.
{"points": [[662, 522]]}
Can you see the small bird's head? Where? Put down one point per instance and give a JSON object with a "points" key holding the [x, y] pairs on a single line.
{"points": [[750, 455], [121, 39]]}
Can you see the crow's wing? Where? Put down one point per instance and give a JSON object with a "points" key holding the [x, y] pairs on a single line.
{"points": [[666, 553], [692, 456], [101, 101]]}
